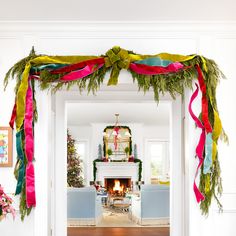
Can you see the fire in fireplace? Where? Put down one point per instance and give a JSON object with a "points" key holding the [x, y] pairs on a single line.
{"points": [[117, 186]]}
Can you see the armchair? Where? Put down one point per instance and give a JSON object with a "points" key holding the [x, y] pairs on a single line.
{"points": [[83, 206]]}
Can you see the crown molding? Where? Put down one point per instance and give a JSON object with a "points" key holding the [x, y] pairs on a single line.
{"points": [[118, 26]]}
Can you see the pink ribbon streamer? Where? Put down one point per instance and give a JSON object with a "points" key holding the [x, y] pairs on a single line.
{"points": [[153, 70], [13, 117], [79, 74], [203, 88], [116, 129], [29, 149], [200, 146]]}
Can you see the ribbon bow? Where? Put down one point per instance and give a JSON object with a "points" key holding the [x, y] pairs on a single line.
{"points": [[118, 59]]}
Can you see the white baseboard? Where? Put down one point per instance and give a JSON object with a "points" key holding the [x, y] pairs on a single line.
{"points": [[74, 222]]}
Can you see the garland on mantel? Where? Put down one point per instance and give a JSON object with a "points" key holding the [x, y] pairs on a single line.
{"points": [[140, 167], [164, 73]]}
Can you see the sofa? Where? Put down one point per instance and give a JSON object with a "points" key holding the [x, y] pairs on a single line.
{"points": [[152, 207], [83, 207]]}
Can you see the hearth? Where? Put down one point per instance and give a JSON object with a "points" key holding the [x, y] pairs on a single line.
{"points": [[117, 186]]}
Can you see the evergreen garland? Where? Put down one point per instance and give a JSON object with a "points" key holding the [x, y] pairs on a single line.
{"points": [[140, 168], [116, 59]]}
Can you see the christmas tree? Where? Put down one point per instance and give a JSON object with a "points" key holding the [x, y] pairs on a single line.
{"points": [[74, 178]]}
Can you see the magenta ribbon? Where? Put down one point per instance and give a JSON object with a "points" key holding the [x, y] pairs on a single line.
{"points": [[200, 146], [79, 74], [116, 129], [203, 88], [13, 117], [29, 149], [153, 70]]}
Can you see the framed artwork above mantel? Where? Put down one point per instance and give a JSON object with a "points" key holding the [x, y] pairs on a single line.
{"points": [[6, 147], [121, 147]]}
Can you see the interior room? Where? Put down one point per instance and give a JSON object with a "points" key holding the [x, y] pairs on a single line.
{"points": [[117, 118], [128, 144]]}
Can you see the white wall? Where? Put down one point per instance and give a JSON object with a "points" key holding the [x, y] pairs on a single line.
{"points": [[212, 40], [93, 133], [8, 56], [156, 132], [106, 10]]}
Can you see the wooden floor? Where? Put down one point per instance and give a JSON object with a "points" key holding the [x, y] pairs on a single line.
{"points": [[93, 231]]}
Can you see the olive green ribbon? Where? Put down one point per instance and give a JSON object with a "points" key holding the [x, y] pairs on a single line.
{"points": [[118, 59], [20, 154]]}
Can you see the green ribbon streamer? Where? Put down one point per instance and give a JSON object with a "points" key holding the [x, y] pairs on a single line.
{"points": [[20, 154], [154, 61], [36, 69]]}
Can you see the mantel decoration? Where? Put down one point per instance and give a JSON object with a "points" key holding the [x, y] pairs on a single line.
{"points": [[117, 134], [140, 167], [164, 73], [117, 140]]}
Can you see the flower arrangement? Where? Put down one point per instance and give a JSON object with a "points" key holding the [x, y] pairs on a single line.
{"points": [[6, 205]]}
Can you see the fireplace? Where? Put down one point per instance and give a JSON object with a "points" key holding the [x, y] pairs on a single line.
{"points": [[118, 186]]}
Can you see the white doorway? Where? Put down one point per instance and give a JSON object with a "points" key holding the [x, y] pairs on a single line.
{"points": [[126, 93]]}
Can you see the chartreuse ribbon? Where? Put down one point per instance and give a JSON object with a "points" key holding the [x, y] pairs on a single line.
{"points": [[41, 60], [217, 129], [20, 97], [118, 59], [20, 154], [163, 56]]}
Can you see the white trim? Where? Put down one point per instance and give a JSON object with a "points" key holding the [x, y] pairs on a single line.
{"points": [[75, 222], [116, 170], [62, 98], [86, 161], [130, 26], [150, 221]]}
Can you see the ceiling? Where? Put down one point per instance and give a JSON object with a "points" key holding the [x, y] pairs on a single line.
{"points": [[146, 113], [122, 10]]}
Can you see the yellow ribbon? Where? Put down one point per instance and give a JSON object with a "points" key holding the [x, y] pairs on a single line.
{"points": [[217, 129], [163, 56], [20, 97], [118, 59], [21, 94]]}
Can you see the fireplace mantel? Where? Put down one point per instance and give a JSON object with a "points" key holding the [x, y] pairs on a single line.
{"points": [[117, 169]]}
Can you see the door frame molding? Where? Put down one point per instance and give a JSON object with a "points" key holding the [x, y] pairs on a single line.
{"points": [[177, 219]]}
